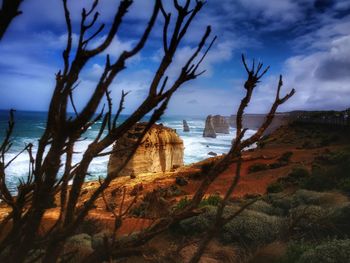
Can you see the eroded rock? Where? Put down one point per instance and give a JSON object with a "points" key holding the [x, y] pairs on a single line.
{"points": [[209, 130], [186, 127], [160, 151], [221, 124]]}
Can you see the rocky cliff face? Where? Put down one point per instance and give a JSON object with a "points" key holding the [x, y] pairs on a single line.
{"points": [[216, 124], [186, 127], [254, 121], [209, 130], [161, 150], [220, 124]]}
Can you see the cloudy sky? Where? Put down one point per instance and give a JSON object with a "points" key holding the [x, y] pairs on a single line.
{"points": [[308, 41]]}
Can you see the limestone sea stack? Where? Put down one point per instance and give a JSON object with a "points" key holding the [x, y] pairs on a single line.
{"points": [[161, 150], [209, 130], [221, 124], [186, 127]]}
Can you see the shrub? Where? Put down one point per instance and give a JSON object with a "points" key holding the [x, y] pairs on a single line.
{"points": [[344, 185], [330, 171], [212, 200], [293, 178], [294, 252], [182, 203], [299, 173], [89, 226], [280, 201], [252, 229], [257, 167], [324, 199], [205, 168], [340, 219], [332, 158], [197, 224], [277, 165], [266, 208], [139, 210], [275, 187], [78, 247], [334, 251], [309, 221], [285, 157]]}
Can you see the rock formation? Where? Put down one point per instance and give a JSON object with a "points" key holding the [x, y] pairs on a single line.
{"points": [[161, 150], [216, 124], [209, 130], [220, 124], [186, 127]]}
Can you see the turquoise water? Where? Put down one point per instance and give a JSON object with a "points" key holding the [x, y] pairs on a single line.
{"points": [[30, 126]]}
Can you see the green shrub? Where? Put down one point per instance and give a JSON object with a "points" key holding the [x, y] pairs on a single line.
{"points": [[252, 229], [330, 171], [211, 200], [257, 167], [266, 208], [340, 219], [294, 252], [281, 201], [285, 157], [309, 221], [275, 187], [89, 226], [334, 251], [299, 173], [78, 247], [344, 185], [332, 158], [196, 224], [205, 168], [293, 178], [139, 210]]}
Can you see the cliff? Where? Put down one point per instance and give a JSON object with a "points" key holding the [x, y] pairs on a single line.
{"points": [[161, 150], [220, 124], [254, 121], [209, 130]]}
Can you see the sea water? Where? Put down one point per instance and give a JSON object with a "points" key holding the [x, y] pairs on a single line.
{"points": [[29, 126]]}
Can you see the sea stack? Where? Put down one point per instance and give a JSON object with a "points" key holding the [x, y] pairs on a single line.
{"points": [[186, 127], [209, 130], [161, 150], [221, 124]]}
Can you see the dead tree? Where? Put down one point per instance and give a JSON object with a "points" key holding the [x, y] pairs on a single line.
{"points": [[122, 247], [8, 11], [239, 144], [63, 131]]}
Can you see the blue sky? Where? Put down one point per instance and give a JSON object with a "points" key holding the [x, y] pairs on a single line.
{"points": [[307, 41]]}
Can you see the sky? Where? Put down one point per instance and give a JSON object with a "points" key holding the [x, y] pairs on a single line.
{"points": [[307, 41]]}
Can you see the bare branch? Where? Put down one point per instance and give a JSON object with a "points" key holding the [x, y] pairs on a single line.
{"points": [[8, 11]]}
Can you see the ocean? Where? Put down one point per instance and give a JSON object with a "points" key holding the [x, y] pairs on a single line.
{"points": [[29, 126]]}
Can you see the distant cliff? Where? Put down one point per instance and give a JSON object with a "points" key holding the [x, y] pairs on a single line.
{"points": [[254, 121], [161, 150]]}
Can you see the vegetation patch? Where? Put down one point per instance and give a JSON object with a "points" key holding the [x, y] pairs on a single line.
{"points": [[257, 167], [292, 179], [331, 170]]}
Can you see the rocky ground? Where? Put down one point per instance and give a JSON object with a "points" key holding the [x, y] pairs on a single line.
{"points": [[300, 211]]}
